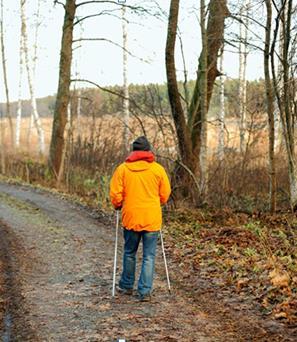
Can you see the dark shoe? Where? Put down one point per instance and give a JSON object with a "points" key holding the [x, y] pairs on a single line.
{"points": [[144, 297], [128, 292]]}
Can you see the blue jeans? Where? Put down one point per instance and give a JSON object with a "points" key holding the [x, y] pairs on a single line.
{"points": [[149, 244]]}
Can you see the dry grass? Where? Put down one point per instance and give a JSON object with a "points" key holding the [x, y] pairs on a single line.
{"points": [[160, 131], [240, 181]]}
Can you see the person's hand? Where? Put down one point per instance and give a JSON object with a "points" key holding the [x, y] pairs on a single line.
{"points": [[118, 208]]}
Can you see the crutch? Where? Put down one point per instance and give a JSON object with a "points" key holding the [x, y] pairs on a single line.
{"points": [[165, 262], [115, 255]]}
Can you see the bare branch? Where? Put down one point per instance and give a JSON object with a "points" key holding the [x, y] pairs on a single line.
{"points": [[134, 8], [106, 12], [59, 3], [111, 42]]}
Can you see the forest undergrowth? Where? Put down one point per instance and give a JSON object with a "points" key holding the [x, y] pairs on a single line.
{"points": [[253, 256]]}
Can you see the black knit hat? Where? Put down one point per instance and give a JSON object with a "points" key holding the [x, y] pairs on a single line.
{"points": [[141, 144]]}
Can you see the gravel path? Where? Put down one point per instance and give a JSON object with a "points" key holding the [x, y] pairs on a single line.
{"points": [[57, 265]]}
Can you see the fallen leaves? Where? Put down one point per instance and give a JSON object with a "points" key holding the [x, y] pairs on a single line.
{"points": [[254, 257], [279, 278]]}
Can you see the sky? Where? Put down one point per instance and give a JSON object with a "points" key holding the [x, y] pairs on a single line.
{"points": [[100, 61]]}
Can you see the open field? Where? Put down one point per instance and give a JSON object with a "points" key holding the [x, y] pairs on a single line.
{"points": [[160, 131]]}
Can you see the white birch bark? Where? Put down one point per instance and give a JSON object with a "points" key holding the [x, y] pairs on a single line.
{"points": [[279, 132], [125, 81], [8, 113], [36, 36], [37, 121], [78, 92], [221, 116], [19, 108], [35, 52], [287, 99], [293, 184], [242, 73]]}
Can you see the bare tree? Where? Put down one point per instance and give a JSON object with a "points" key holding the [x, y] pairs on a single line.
{"points": [[221, 112], [125, 81], [63, 93], [270, 109], [285, 96], [8, 113], [30, 77], [243, 35], [279, 136], [34, 60], [62, 100], [204, 107], [19, 107], [190, 133]]}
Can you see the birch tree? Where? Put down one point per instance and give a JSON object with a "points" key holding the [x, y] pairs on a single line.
{"points": [[270, 109], [19, 107], [30, 78], [285, 97], [243, 35], [221, 113], [125, 80], [8, 112], [34, 62], [279, 134]]}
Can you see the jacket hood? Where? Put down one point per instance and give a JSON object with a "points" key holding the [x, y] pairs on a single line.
{"points": [[139, 160]]}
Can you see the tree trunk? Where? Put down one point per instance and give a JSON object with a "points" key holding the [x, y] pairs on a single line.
{"points": [[8, 113], [281, 141], [242, 74], [279, 138], [183, 175], [221, 112], [19, 108], [204, 109], [285, 98], [183, 133], [2, 146], [35, 48], [191, 134], [125, 82], [66, 145], [218, 11], [63, 93], [37, 121], [270, 108], [288, 100], [78, 111]]}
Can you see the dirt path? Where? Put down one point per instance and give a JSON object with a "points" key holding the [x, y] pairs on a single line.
{"points": [[56, 267]]}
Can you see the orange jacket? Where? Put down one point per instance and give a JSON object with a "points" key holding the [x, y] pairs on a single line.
{"points": [[140, 186]]}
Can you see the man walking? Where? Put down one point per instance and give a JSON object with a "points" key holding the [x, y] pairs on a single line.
{"points": [[139, 187]]}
